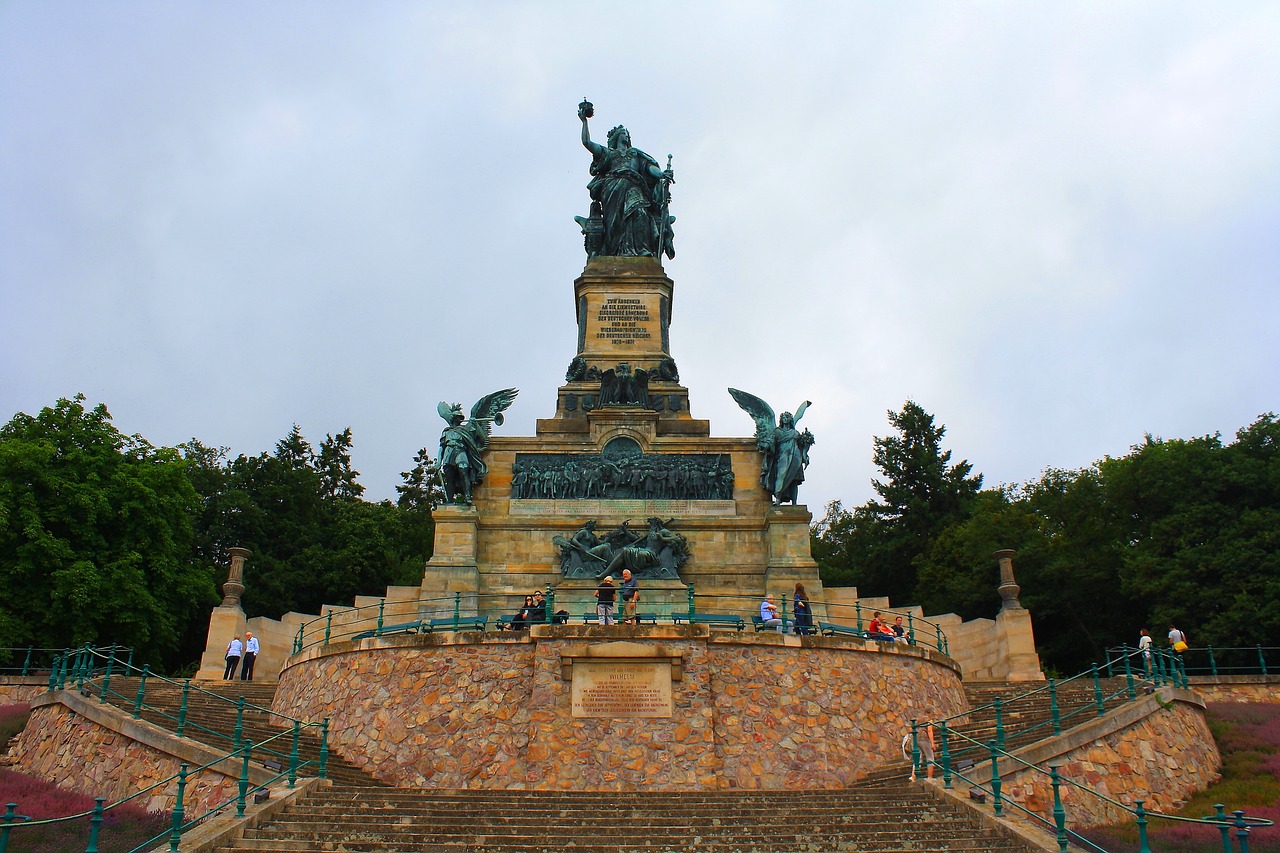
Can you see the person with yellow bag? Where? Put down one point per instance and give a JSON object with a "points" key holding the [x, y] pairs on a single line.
{"points": [[1177, 640]]}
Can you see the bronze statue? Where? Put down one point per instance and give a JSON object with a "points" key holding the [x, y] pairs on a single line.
{"points": [[630, 197], [656, 554], [464, 441], [785, 449]]}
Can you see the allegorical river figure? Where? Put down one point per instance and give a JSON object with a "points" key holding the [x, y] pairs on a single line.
{"points": [[463, 442], [630, 196], [785, 449]]}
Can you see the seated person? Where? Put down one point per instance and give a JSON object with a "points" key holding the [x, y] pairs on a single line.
{"points": [[538, 613], [899, 631], [769, 615], [521, 620], [878, 629]]}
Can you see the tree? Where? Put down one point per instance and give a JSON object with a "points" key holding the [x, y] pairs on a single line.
{"points": [[922, 493], [96, 536]]}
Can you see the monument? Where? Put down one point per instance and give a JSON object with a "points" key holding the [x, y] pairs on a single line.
{"points": [[621, 475]]}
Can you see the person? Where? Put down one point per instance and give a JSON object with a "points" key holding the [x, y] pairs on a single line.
{"points": [[538, 613], [878, 630], [250, 655], [604, 600], [899, 631], [233, 658], [631, 193], [630, 598], [1145, 644], [924, 740], [521, 620], [1177, 639], [804, 613], [769, 615]]}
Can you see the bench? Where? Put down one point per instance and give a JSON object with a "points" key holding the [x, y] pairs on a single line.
{"points": [[448, 623], [717, 620], [592, 618], [831, 629], [402, 628]]}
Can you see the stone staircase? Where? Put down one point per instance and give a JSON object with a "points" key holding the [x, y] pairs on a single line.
{"points": [[211, 720], [884, 819]]}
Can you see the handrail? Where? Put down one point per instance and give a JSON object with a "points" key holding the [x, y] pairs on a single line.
{"points": [[179, 823], [995, 752], [1220, 660], [463, 610], [31, 658]]}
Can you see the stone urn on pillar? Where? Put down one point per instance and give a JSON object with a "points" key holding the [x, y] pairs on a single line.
{"points": [[234, 587], [1008, 588]]}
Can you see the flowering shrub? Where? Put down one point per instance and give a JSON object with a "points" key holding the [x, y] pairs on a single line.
{"points": [[123, 828], [13, 719]]}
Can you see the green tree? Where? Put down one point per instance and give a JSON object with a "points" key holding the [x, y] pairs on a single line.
{"points": [[878, 545], [96, 535]]}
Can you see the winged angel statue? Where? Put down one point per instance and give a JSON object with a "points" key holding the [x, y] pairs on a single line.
{"points": [[464, 441], [785, 449]]}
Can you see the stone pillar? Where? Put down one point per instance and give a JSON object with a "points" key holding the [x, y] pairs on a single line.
{"points": [[1014, 634], [790, 559], [226, 621], [453, 566]]}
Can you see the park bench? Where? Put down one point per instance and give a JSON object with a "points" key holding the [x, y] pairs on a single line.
{"points": [[831, 629], [402, 628], [715, 620], [449, 623]]}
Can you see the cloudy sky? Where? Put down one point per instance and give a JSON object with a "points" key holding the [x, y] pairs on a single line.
{"points": [[1055, 226]]}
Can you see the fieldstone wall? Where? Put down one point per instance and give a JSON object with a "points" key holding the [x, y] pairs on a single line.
{"points": [[472, 710], [80, 755], [1158, 750], [1237, 688], [16, 692]]}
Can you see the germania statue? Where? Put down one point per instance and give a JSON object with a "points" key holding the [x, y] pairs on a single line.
{"points": [[464, 440], [785, 449], [630, 197]]}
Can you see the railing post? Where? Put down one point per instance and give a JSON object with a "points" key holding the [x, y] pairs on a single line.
{"points": [[175, 834], [382, 606], [1059, 813], [996, 802], [1242, 830], [551, 604], [244, 781], [293, 755], [915, 751], [26, 664], [1097, 692], [1224, 825], [1053, 707], [1262, 661], [999, 704], [297, 641], [691, 607], [142, 691], [1182, 671], [324, 748], [911, 629], [328, 627], [1143, 845], [95, 824], [106, 678], [457, 609], [239, 731], [857, 611], [1128, 677], [946, 759], [1110, 661], [6, 825], [1213, 664], [182, 709], [53, 675], [128, 664]]}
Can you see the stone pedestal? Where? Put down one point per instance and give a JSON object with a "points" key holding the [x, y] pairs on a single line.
{"points": [[1018, 645], [226, 621], [790, 561], [453, 567]]}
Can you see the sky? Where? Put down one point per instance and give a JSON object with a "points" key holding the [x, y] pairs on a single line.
{"points": [[1055, 226]]}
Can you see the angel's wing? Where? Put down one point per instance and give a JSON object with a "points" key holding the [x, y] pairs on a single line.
{"points": [[488, 410], [800, 412], [759, 410], [445, 410]]}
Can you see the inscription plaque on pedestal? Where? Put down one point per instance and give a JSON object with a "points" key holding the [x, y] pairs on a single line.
{"points": [[622, 690]]}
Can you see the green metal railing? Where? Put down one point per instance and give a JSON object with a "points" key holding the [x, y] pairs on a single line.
{"points": [[1215, 661], [961, 752], [91, 670], [26, 660], [472, 611], [179, 823]]}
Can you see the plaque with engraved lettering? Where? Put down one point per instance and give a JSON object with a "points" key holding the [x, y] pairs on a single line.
{"points": [[622, 689]]}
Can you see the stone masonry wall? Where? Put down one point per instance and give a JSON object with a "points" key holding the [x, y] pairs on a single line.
{"points": [[1238, 688], [1160, 759], [750, 710], [18, 694], [79, 755]]}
